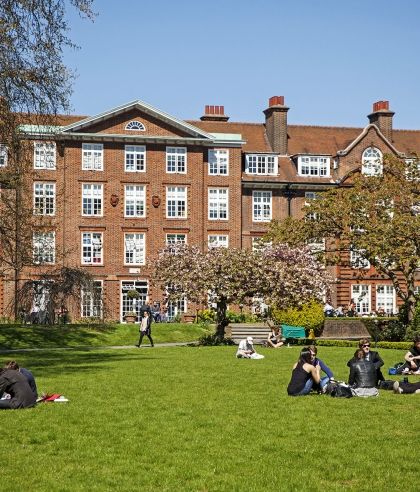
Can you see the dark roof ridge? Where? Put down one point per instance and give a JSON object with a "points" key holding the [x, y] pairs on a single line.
{"points": [[404, 130], [231, 122]]}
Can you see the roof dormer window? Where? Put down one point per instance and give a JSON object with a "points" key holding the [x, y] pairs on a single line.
{"points": [[313, 166], [261, 164], [372, 162], [135, 125]]}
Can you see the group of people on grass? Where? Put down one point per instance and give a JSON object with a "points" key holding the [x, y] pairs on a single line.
{"points": [[365, 368], [17, 387]]}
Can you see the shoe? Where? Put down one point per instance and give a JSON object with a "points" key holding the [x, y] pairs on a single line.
{"points": [[406, 371], [416, 372], [396, 387], [137, 345]]}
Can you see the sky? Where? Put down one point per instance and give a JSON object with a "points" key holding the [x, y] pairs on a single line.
{"points": [[331, 60]]}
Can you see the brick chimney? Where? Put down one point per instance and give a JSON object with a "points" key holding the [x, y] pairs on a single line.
{"points": [[276, 124], [381, 116], [214, 113]]}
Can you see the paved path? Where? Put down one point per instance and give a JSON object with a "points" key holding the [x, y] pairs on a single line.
{"points": [[169, 344]]}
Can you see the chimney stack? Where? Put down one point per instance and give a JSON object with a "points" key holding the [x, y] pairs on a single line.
{"points": [[276, 124], [381, 116], [214, 113]]}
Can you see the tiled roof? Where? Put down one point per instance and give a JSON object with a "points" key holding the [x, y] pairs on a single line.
{"points": [[253, 133]]}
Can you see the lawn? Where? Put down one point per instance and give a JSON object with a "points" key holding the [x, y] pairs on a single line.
{"points": [[198, 419], [35, 336]]}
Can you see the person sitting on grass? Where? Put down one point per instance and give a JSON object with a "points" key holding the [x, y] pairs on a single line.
{"points": [[371, 356], [321, 363], [412, 358], [406, 388], [16, 385], [12, 364], [274, 338], [305, 375], [362, 377], [246, 350]]}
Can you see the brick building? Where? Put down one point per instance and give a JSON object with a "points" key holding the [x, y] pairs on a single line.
{"points": [[120, 185]]}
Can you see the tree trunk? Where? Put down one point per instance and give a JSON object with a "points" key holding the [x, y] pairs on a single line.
{"points": [[221, 320]]}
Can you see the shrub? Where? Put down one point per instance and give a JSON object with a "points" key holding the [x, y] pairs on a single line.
{"points": [[206, 316], [413, 328], [213, 340], [310, 315], [389, 330]]}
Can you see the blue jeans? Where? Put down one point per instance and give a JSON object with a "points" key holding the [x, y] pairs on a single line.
{"points": [[309, 384]]}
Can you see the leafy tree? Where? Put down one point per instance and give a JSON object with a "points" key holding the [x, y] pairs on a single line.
{"points": [[35, 86], [280, 275], [373, 219], [64, 287]]}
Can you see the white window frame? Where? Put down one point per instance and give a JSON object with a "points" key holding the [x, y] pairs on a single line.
{"points": [[314, 166], [92, 305], [44, 248], [218, 241], [44, 155], [262, 164], [135, 158], [3, 155], [310, 195], [134, 200], [218, 203], [134, 248], [218, 162], [94, 247], [127, 304], [176, 160], [176, 202], [372, 162], [44, 198], [93, 199], [175, 238], [135, 126], [386, 298], [92, 157], [262, 206], [361, 295]]}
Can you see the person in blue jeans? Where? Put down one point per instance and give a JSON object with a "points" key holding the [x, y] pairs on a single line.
{"points": [[305, 375], [316, 361]]}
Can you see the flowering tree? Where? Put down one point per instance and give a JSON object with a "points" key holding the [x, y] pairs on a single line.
{"points": [[280, 275]]}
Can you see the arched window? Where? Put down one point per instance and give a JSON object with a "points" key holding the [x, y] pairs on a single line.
{"points": [[135, 125], [372, 162]]}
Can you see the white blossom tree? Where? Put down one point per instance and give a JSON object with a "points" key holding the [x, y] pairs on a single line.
{"points": [[280, 275]]}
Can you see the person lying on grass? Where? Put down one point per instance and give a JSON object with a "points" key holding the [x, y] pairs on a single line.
{"points": [[12, 364], [16, 385], [406, 388], [305, 375], [363, 374], [246, 350]]}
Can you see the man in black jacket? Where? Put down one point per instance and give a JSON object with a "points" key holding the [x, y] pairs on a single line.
{"points": [[12, 364], [17, 386], [370, 356]]}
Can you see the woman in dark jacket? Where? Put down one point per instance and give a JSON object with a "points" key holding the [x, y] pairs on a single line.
{"points": [[362, 375], [16, 385]]}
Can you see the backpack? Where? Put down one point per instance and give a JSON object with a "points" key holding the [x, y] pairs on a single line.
{"points": [[339, 390]]}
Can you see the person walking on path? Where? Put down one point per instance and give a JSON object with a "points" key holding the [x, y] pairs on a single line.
{"points": [[146, 328]]}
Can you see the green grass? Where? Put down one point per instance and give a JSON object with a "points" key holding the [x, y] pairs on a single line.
{"points": [[35, 336], [198, 419]]}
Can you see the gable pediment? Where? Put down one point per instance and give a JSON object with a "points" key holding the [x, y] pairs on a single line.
{"points": [[365, 135], [153, 123]]}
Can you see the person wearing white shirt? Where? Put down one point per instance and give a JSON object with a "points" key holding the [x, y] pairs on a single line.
{"points": [[246, 350]]}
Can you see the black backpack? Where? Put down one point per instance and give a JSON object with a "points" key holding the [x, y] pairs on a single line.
{"points": [[339, 390]]}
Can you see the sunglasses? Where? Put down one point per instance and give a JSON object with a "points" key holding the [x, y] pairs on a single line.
{"points": [[367, 345]]}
